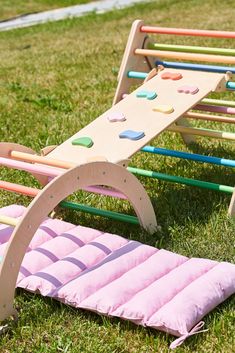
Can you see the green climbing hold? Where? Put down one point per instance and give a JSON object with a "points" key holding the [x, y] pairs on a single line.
{"points": [[83, 141], [146, 94]]}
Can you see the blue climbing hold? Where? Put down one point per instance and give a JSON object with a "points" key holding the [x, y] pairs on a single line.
{"points": [[132, 135]]}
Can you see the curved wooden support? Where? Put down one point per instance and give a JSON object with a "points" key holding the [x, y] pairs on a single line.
{"points": [[96, 173], [5, 151]]}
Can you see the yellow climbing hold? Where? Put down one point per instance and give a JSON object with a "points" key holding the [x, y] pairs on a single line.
{"points": [[162, 108], [97, 159]]}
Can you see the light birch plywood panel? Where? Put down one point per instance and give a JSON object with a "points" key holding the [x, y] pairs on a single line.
{"points": [[140, 116]]}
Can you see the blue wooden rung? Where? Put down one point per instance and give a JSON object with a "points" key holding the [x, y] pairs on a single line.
{"points": [[190, 156], [196, 67]]}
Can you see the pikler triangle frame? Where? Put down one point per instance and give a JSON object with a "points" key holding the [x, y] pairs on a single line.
{"points": [[88, 161], [144, 58]]}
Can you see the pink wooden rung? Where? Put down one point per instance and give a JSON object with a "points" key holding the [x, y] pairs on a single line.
{"points": [[187, 32], [21, 189], [54, 172], [215, 109]]}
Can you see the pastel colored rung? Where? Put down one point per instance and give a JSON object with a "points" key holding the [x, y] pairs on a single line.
{"points": [[8, 220], [116, 116], [171, 76], [190, 156], [188, 89], [186, 56], [134, 74], [83, 141], [146, 94], [195, 67], [162, 108], [132, 135], [188, 32], [215, 108], [181, 180], [192, 49]]}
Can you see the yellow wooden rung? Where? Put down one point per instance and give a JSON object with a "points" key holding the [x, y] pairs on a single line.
{"points": [[8, 220], [202, 132]]}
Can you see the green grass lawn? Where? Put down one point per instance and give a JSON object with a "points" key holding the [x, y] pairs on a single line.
{"points": [[55, 79], [11, 8]]}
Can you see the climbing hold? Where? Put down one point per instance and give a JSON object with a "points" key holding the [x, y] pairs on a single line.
{"points": [[171, 76], [97, 159], [188, 89], [162, 108], [132, 135], [116, 116], [146, 94], [83, 141]]}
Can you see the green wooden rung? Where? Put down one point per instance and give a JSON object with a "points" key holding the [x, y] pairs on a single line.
{"points": [[192, 49], [182, 180], [98, 212]]}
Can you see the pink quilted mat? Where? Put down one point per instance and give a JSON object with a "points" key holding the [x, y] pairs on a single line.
{"points": [[106, 273]]}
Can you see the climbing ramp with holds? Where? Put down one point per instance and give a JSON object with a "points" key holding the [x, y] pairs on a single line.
{"points": [[92, 270], [149, 110]]}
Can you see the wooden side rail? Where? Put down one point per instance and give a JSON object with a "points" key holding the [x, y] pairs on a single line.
{"points": [[95, 173], [136, 40]]}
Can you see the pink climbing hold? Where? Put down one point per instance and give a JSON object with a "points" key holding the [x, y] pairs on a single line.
{"points": [[188, 89], [116, 116]]}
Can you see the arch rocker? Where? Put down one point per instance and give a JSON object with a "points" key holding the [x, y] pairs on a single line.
{"points": [[95, 173]]}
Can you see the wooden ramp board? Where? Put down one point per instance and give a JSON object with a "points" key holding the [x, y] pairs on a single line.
{"points": [[141, 116]]}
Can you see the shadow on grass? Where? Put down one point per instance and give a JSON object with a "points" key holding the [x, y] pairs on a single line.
{"points": [[217, 151], [32, 306], [175, 205]]}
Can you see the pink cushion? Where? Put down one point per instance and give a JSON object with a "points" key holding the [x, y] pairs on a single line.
{"points": [[106, 273]]}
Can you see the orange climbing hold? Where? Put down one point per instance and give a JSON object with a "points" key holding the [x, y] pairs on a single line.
{"points": [[171, 76]]}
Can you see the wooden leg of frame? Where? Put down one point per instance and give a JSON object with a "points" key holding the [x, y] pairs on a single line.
{"points": [[231, 209], [186, 137], [79, 177], [132, 62]]}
